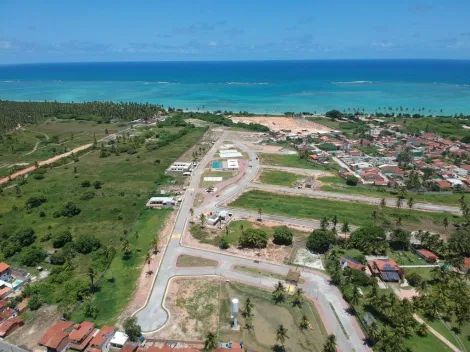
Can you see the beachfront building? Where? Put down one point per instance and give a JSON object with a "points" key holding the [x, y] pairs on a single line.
{"points": [[180, 167], [161, 202]]}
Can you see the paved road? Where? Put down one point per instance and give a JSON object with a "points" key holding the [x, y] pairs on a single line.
{"points": [[152, 317], [352, 198]]}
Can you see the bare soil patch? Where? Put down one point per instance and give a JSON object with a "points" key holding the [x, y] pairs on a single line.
{"points": [[193, 304], [277, 123]]}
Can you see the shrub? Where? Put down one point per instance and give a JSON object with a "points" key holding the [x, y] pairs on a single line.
{"points": [[87, 195], [224, 244], [97, 184], [86, 183], [414, 279], [319, 241], [35, 201], [38, 176], [60, 239], [42, 214], [86, 244], [132, 329], [35, 302], [70, 209], [58, 258], [10, 249], [46, 237], [352, 180], [283, 235], [253, 238], [32, 256], [371, 239], [24, 237]]}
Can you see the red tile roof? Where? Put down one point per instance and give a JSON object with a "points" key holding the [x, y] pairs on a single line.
{"points": [[102, 336], [466, 263], [3, 304], [4, 267], [128, 348], [8, 325], [81, 330], [4, 291], [443, 184], [383, 265], [55, 334], [353, 264], [6, 313], [427, 254]]}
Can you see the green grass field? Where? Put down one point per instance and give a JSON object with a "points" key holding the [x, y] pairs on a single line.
{"points": [[406, 258], [292, 160], [224, 174], [338, 185], [189, 261], [267, 317], [110, 213], [279, 178], [312, 208]]}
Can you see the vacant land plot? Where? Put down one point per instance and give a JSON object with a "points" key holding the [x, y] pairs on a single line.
{"points": [[189, 261], [338, 185], [258, 272], [279, 178], [290, 160], [312, 208], [406, 258], [277, 123], [194, 308], [267, 317], [225, 175]]}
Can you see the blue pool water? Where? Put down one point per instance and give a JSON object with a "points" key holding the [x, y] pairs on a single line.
{"points": [[217, 165]]}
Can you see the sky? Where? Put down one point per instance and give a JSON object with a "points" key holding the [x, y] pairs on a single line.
{"points": [[195, 30]]}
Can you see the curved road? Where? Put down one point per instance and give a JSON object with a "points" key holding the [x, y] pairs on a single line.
{"points": [[152, 317]]}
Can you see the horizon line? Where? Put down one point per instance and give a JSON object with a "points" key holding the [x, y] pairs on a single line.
{"points": [[224, 61]]}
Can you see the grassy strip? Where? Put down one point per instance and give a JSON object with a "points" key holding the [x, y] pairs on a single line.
{"points": [[279, 178], [250, 270], [189, 261], [313, 208], [291, 160]]}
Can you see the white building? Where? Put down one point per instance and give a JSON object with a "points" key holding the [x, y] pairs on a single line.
{"points": [[180, 167], [232, 164], [230, 153], [213, 219], [161, 202], [119, 339]]}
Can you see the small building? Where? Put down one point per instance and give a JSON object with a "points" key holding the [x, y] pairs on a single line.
{"points": [[119, 339], [232, 164], [5, 291], [10, 325], [224, 214], [161, 202], [56, 337], [7, 313], [428, 256], [5, 271], [348, 262], [180, 167], [213, 219], [387, 269], [102, 340], [466, 264]]}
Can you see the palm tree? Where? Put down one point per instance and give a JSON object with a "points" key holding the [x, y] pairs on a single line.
{"points": [[260, 212], [202, 217], [155, 245], [399, 221], [191, 211], [345, 228], [281, 335], [324, 223], [410, 204], [374, 217], [445, 222], [383, 204], [279, 292], [92, 276], [399, 202], [334, 221], [148, 260], [304, 323], [210, 343], [298, 298], [248, 308], [126, 248], [330, 344]]}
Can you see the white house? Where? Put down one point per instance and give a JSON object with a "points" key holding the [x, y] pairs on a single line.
{"points": [[119, 339], [161, 202], [180, 167]]}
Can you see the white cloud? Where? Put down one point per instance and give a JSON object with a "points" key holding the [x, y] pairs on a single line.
{"points": [[212, 43], [5, 45]]}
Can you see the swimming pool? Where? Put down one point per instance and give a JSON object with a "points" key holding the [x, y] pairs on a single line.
{"points": [[217, 164]]}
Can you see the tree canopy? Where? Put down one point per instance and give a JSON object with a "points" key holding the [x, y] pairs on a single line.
{"points": [[253, 238], [320, 240], [371, 239], [283, 235]]}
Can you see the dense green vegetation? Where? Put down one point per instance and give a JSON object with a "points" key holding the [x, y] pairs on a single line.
{"points": [[13, 113], [91, 210]]}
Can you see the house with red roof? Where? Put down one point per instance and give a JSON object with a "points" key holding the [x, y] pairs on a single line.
{"points": [[81, 335], [102, 339], [5, 271], [56, 337], [10, 325], [387, 269], [7, 313], [466, 264], [348, 262], [443, 185], [5, 291], [428, 256]]}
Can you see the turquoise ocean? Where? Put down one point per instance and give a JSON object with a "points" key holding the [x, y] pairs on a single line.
{"points": [[255, 86]]}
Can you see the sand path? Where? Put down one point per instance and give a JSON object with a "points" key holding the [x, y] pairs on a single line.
{"points": [[45, 162]]}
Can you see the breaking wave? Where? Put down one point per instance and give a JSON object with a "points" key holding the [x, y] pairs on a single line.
{"points": [[353, 82]]}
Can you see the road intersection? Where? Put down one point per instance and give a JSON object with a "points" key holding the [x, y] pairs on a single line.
{"points": [[153, 316]]}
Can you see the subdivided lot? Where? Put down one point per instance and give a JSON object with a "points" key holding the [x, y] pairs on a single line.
{"points": [[459, 339], [107, 212], [194, 308], [225, 175], [313, 208], [279, 178], [267, 317], [338, 185], [292, 161], [189, 261]]}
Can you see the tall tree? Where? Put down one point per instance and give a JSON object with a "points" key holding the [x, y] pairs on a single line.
{"points": [[345, 228], [92, 275], [324, 223], [304, 323], [410, 204], [383, 204], [281, 335], [210, 343], [203, 219], [330, 344], [260, 212]]}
